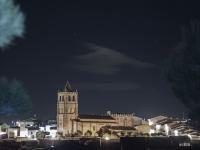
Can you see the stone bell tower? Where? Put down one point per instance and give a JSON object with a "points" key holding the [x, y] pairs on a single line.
{"points": [[67, 110]]}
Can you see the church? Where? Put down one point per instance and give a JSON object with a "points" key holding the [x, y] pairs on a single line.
{"points": [[69, 121]]}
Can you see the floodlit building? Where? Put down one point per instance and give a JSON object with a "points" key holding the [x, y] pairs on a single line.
{"points": [[172, 127], [51, 128], [13, 132], [53, 132], [155, 120], [69, 121], [32, 132], [122, 130], [23, 132], [124, 119], [26, 123], [143, 129]]}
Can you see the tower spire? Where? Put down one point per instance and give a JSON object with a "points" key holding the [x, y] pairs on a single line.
{"points": [[68, 87], [67, 110]]}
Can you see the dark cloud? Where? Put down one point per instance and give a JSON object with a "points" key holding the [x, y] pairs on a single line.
{"points": [[102, 60], [11, 22], [108, 87]]}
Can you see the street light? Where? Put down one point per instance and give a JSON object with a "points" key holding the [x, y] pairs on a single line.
{"points": [[107, 138]]}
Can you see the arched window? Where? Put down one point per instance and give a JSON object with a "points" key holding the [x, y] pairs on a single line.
{"points": [[69, 98], [93, 128], [125, 122], [72, 110], [63, 98], [73, 98]]}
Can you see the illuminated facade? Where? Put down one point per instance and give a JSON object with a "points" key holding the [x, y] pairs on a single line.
{"points": [[67, 110], [69, 121]]}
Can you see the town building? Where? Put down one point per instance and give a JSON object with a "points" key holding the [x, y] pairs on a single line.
{"points": [[172, 127], [69, 121]]}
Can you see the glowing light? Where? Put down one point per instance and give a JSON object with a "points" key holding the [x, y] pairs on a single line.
{"points": [[42, 129], [152, 131], [18, 124], [107, 138], [176, 132], [29, 136], [2, 133], [47, 128], [189, 136], [53, 134], [24, 133], [166, 129], [158, 128], [150, 122]]}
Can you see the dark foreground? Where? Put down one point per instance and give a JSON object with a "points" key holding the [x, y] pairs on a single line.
{"points": [[133, 143]]}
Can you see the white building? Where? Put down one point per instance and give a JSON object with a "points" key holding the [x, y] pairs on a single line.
{"points": [[13, 132], [173, 127]]}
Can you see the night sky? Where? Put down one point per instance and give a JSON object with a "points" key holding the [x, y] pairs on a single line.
{"points": [[112, 53]]}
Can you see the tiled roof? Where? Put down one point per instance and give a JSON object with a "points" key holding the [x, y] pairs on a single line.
{"points": [[158, 118], [102, 117], [176, 125], [164, 121], [120, 128]]}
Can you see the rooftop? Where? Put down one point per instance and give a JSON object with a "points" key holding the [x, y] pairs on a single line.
{"points": [[67, 88], [102, 117], [120, 128]]}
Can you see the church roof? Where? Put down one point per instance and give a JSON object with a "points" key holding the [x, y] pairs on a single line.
{"points": [[99, 117], [68, 87], [120, 128]]}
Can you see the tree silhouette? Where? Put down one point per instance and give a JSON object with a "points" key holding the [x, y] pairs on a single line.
{"points": [[14, 100], [40, 135], [103, 130], [88, 133], [78, 133], [182, 69]]}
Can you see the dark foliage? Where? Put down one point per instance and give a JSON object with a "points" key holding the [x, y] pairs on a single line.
{"points": [[182, 69], [103, 130], [14, 99]]}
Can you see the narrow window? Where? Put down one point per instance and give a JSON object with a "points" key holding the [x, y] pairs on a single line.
{"points": [[63, 98], [69, 98], [125, 122], [73, 98]]}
